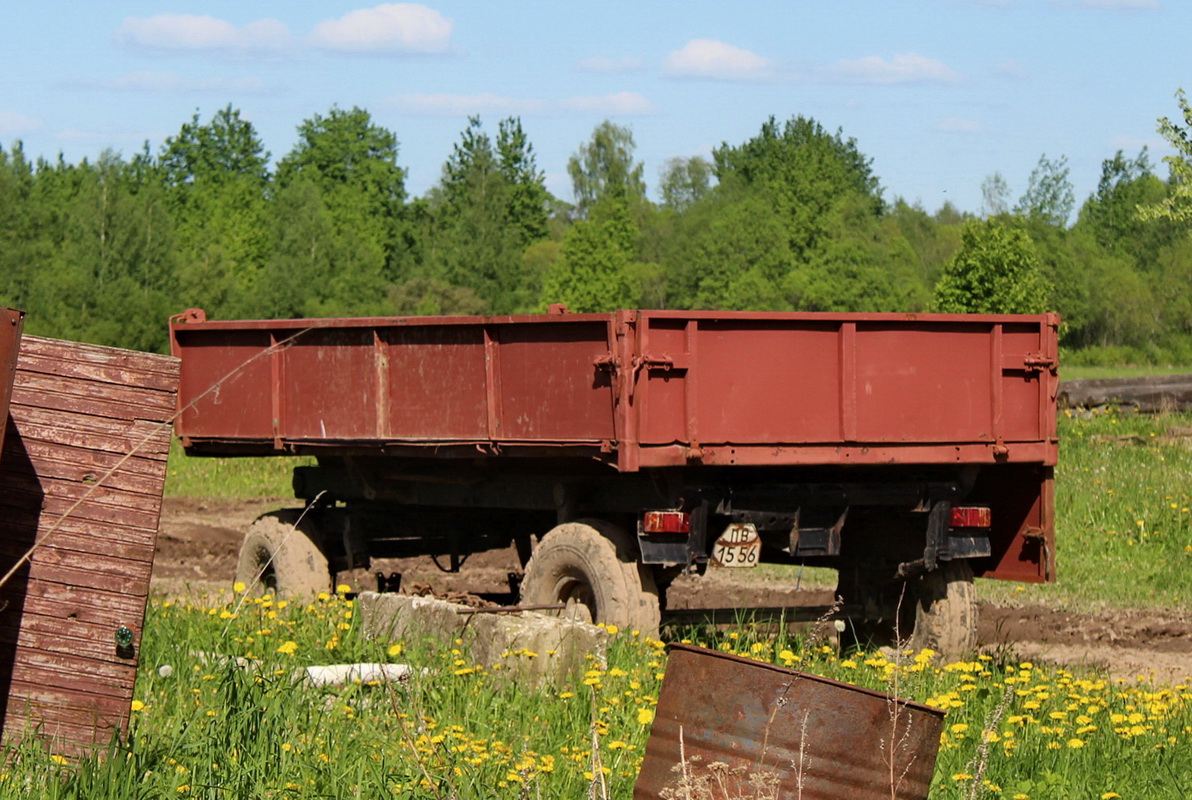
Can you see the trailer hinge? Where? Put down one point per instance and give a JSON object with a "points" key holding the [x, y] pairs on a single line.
{"points": [[1038, 362], [606, 363]]}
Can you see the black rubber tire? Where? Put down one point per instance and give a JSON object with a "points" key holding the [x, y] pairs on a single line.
{"points": [[590, 567], [943, 611], [283, 556], [936, 611]]}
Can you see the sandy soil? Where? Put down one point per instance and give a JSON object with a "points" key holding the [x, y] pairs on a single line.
{"points": [[199, 541]]}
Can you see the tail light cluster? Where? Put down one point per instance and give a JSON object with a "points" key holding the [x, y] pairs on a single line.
{"points": [[971, 517], [666, 522]]}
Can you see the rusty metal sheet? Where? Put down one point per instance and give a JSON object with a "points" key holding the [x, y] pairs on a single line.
{"points": [[731, 721], [10, 343], [81, 479], [646, 388]]}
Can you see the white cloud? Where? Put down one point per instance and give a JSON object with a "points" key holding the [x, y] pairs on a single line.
{"points": [[601, 64], [619, 103], [192, 33], [1011, 68], [387, 28], [903, 68], [708, 58], [168, 82], [457, 104], [14, 123], [957, 125]]}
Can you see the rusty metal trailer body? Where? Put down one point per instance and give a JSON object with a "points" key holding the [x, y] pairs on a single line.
{"points": [[905, 440]]}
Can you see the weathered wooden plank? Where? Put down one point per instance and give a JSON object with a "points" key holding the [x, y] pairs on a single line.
{"points": [[70, 705], [21, 527], [64, 738], [70, 672], [39, 452], [95, 491], [83, 543], [52, 562], [98, 650], [129, 583], [76, 411], [92, 433], [115, 401], [88, 601], [89, 509], [98, 363], [85, 473]]}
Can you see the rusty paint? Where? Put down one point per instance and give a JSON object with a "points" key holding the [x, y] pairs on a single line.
{"points": [[81, 475], [813, 738], [10, 343], [640, 390]]}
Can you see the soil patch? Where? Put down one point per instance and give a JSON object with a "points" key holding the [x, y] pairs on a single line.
{"points": [[199, 541]]}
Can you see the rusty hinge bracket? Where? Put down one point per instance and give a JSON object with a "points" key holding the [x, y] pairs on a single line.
{"points": [[1038, 362], [606, 363]]}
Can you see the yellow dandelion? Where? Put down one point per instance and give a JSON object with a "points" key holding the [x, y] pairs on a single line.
{"points": [[137, 705], [645, 716], [238, 587]]}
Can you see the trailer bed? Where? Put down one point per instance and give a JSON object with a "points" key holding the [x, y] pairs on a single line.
{"points": [[635, 389]]}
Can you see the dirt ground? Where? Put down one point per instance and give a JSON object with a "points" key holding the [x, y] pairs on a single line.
{"points": [[199, 540]]}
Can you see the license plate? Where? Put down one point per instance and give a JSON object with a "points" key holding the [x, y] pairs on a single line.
{"points": [[738, 546]]}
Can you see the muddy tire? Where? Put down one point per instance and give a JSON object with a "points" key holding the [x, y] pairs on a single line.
{"points": [[591, 568], [283, 556], [937, 610], [943, 614]]}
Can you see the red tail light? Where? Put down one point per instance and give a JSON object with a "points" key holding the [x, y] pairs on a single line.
{"points": [[666, 522], [971, 517]]}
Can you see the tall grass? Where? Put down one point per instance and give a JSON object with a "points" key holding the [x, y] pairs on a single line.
{"points": [[1123, 514], [207, 726]]}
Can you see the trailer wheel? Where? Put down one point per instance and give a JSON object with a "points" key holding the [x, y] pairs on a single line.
{"points": [[937, 610], [283, 556], [590, 567], [941, 609]]}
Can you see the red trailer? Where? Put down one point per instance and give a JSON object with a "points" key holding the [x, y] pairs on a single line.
{"points": [[620, 450]]}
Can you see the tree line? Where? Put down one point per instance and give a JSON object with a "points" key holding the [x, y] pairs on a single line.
{"points": [[792, 219]]}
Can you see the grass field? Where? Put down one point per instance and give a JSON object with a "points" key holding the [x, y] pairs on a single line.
{"points": [[207, 728]]}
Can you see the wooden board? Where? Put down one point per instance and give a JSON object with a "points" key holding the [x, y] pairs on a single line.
{"points": [[81, 475]]}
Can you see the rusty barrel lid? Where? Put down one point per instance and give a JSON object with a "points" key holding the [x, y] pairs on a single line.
{"points": [[731, 724]]}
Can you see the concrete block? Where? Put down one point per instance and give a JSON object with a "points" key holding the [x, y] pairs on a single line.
{"points": [[533, 649]]}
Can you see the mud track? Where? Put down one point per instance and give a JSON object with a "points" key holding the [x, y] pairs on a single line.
{"points": [[199, 541]]}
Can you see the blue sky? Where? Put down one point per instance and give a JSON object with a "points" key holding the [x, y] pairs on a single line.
{"points": [[939, 93]]}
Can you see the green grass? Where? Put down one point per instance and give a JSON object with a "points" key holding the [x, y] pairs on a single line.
{"points": [[1069, 373], [459, 730], [208, 729], [1123, 515], [234, 478]]}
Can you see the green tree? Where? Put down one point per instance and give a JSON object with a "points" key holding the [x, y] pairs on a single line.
{"points": [[351, 163], [604, 168], [685, 181], [1177, 206], [996, 271], [810, 176], [110, 276], [995, 194], [595, 268], [1049, 196], [216, 179], [488, 208], [529, 201]]}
